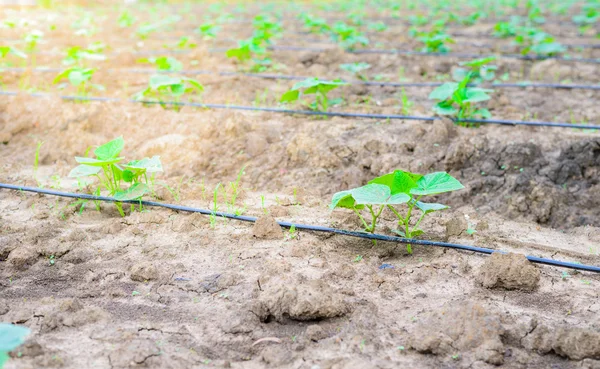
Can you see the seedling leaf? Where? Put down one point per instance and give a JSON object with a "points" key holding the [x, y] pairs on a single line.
{"points": [[378, 194], [134, 192], [444, 91], [84, 171], [96, 162], [430, 207], [435, 183], [109, 150]]}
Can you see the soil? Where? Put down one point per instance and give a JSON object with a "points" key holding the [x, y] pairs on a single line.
{"points": [[167, 289]]}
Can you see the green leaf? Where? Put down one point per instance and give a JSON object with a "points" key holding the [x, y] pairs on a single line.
{"points": [[96, 162], [291, 95], [477, 95], [435, 183], [377, 194], [134, 192], [342, 199], [478, 62], [128, 176], [443, 108], [110, 150], [11, 336], [398, 181], [161, 80], [151, 165], [444, 91], [84, 171], [430, 207]]}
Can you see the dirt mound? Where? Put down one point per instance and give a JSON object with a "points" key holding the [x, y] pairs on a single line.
{"points": [[313, 300], [509, 271], [463, 327]]}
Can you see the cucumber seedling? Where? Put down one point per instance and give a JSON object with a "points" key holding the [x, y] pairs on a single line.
{"points": [[164, 63], [76, 54], [532, 40], [317, 87], [435, 41], [356, 69], [124, 182], [80, 78], [394, 189], [348, 37], [207, 30], [458, 100], [166, 89], [480, 70], [314, 24]]}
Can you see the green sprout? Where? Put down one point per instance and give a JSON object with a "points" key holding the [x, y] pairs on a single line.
{"points": [[137, 175], [317, 87], [434, 41], [356, 69], [348, 37], [393, 189], [266, 28], [479, 68], [208, 30], [162, 88], [6, 50], [507, 29], [377, 26], [249, 50], [76, 54], [314, 24], [533, 40], [164, 63], [185, 42], [11, 337], [126, 19], [80, 78], [457, 100], [589, 16], [148, 28]]}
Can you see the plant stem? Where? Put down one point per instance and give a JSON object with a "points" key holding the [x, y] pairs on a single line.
{"points": [[361, 218]]}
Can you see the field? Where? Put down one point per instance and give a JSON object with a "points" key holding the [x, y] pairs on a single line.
{"points": [[295, 112]]}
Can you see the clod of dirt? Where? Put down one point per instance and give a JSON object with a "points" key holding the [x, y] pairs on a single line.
{"points": [[143, 272], [315, 333], [456, 226], [218, 282], [73, 319], [463, 326], [23, 257], [312, 300], [574, 343], [266, 228], [509, 271], [441, 131]]}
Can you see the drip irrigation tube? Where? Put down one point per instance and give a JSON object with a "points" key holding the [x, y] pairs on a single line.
{"points": [[314, 113], [306, 227], [301, 78], [425, 53]]}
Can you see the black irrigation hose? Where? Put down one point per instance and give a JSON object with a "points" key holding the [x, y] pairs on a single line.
{"points": [[314, 113], [301, 78], [426, 53], [306, 227]]}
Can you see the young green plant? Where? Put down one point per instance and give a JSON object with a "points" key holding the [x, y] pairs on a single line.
{"points": [[458, 100], [168, 91], [124, 182], [317, 87], [80, 78], [356, 69], [394, 189], [480, 70]]}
